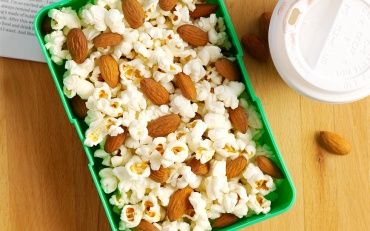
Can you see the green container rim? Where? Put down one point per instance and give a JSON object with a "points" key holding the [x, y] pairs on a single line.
{"points": [[287, 186]]}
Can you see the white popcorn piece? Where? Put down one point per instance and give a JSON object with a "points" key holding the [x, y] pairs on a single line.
{"points": [[229, 202], [108, 181], [54, 43], [209, 53], [66, 17], [200, 217], [229, 93], [180, 15], [94, 15], [216, 183], [254, 119], [78, 86], [111, 108], [90, 33], [258, 204], [113, 4], [126, 46], [133, 99], [213, 76], [241, 208], [182, 176], [136, 168], [183, 106], [131, 215], [215, 210], [213, 105], [100, 153], [155, 158], [175, 226], [118, 200], [162, 77], [207, 24], [205, 151], [175, 152], [203, 90], [195, 69], [164, 58], [138, 130], [214, 120], [190, 4], [151, 208], [230, 147], [95, 133], [114, 20], [164, 194], [260, 183]]}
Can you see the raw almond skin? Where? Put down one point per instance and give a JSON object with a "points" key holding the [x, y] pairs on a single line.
{"points": [[107, 39], [268, 167], [193, 35], [264, 24], [113, 143], [154, 91], [133, 13], [145, 225], [203, 10], [186, 86], [79, 107], [179, 203], [109, 70], [77, 45], [235, 167], [238, 119], [334, 143], [161, 175], [224, 220], [228, 69], [255, 47], [198, 168], [163, 125], [167, 5]]}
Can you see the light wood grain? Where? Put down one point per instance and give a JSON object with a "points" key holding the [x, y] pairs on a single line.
{"points": [[45, 183]]}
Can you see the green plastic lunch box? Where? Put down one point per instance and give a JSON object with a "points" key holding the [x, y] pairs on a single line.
{"points": [[284, 196]]}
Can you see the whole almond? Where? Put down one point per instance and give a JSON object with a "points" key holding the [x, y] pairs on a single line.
{"points": [[109, 70], [77, 45], [193, 35], [334, 143], [161, 175], [167, 5], [228, 69], [133, 12], [198, 168], [186, 86], [255, 47], [224, 220], [238, 119], [235, 167], [46, 25], [163, 125], [268, 167], [203, 10], [79, 107], [264, 24], [155, 92], [145, 225], [179, 203], [113, 143], [107, 39]]}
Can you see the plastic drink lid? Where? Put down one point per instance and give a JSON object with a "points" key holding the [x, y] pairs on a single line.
{"points": [[321, 48]]}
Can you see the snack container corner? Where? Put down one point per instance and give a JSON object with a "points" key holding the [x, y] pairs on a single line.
{"points": [[284, 196]]}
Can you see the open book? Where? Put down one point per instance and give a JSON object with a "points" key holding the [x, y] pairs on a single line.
{"points": [[17, 38]]}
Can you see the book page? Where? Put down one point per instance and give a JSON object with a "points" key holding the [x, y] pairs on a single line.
{"points": [[17, 37]]}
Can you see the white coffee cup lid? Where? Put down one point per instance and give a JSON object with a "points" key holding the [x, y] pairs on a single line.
{"points": [[321, 48]]}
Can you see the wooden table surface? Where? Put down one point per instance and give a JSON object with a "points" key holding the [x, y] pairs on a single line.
{"points": [[45, 183]]}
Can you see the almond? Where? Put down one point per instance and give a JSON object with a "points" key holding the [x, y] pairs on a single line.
{"points": [[235, 167], [167, 5], [268, 167], [203, 10], [198, 168], [133, 12], [193, 35], [145, 225], [154, 91], [46, 25], [77, 45], [179, 203], [224, 220], [79, 107], [228, 69], [161, 175], [109, 70], [113, 143], [163, 125], [264, 24], [238, 119], [255, 47], [334, 143], [186, 86], [107, 39]]}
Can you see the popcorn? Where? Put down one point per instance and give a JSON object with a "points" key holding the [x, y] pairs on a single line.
{"points": [[100, 153], [114, 20], [200, 217], [94, 15], [95, 133], [203, 88], [183, 106], [138, 130], [133, 99], [195, 69], [204, 151], [182, 176], [180, 15], [79, 86], [254, 119], [229, 93], [90, 33], [136, 168], [175, 152], [207, 24], [216, 183], [260, 183], [118, 200], [175, 226], [54, 43], [113, 4], [214, 120], [66, 17], [164, 194], [213, 105], [126, 46], [111, 108], [131, 215], [209, 53], [258, 204], [107, 180], [151, 208]]}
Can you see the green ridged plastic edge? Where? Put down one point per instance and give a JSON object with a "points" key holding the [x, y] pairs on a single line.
{"points": [[284, 196]]}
